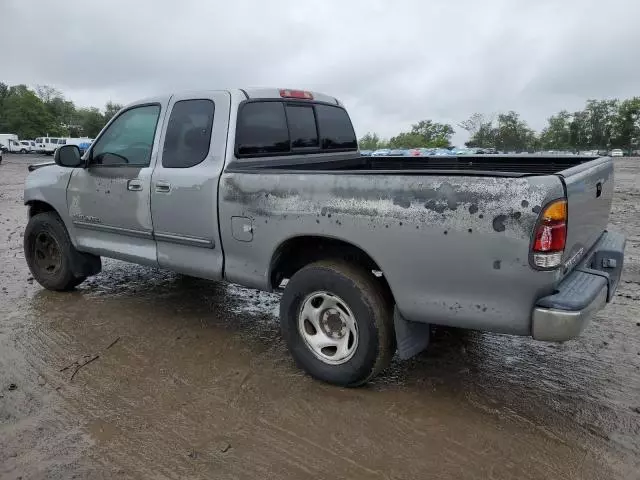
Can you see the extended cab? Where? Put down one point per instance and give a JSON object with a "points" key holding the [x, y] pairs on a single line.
{"points": [[266, 188]]}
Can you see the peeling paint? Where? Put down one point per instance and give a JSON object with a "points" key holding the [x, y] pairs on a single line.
{"points": [[498, 223], [453, 202]]}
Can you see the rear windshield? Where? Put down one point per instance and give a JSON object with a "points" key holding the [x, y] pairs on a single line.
{"points": [[271, 128]]}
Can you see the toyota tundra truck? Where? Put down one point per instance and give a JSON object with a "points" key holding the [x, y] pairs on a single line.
{"points": [[266, 188]]}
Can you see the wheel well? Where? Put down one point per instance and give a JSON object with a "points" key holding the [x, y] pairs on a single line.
{"points": [[37, 206], [298, 252]]}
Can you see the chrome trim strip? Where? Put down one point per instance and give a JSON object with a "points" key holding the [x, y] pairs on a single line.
{"points": [[184, 240], [111, 229]]}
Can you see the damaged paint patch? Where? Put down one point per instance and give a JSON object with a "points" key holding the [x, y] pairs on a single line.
{"points": [[452, 202], [498, 223]]}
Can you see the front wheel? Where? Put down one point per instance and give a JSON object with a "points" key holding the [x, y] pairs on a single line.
{"points": [[52, 259], [337, 323]]}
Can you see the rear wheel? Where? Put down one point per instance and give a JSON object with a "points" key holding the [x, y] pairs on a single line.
{"points": [[337, 322], [52, 258]]}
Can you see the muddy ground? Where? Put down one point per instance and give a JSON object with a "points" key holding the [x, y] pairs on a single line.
{"points": [[198, 384]]}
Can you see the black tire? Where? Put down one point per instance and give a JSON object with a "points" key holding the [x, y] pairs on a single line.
{"points": [[364, 297], [23, 151], [59, 267]]}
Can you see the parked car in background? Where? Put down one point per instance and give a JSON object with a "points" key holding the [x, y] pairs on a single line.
{"points": [[616, 152], [26, 146], [364, 153], [442, 152], [381, 152], [398, 152]]}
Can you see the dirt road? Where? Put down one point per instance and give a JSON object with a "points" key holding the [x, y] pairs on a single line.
{"points": [[198, 384]]}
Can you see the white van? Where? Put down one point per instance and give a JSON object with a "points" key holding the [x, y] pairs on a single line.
{"points": [[81, 142], [616, 152], [46, 145]]}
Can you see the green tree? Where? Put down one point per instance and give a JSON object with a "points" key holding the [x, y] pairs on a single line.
{"points": [[90, 120], [579, 131], [24, 114], [627, 125], [601, 118], [513, 134], [110, 109], [371, 141], [424, 134], [481, 131], [557, 134]]}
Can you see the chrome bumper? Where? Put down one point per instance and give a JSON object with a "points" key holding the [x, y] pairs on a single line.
{"points": [[586, 290]]}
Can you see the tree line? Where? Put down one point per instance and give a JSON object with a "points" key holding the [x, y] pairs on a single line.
{"points": [[45, 111], [600, 125]]}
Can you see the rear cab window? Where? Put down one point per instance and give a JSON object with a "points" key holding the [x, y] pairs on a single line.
{"points": [[284, 127], [188, 135]]}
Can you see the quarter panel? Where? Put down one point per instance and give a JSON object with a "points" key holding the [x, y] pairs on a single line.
{"points": [[454, 249]]}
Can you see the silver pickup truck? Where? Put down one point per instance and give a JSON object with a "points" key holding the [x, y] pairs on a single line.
{"points": [[266, 188]]}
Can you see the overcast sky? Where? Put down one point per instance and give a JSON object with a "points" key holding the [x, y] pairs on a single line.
{"points": [[391, 62]]}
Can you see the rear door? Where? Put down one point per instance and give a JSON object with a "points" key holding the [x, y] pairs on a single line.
{"points": [[184, 186], [589, 195]]}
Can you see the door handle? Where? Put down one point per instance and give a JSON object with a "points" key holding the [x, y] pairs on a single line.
{"points": [[163, 187], [134, 185]]}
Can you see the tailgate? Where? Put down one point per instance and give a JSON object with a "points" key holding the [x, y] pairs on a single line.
{"points": [[589, 193]]}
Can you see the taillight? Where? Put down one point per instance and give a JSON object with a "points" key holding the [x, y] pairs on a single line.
{"points": [[285, 93], [551, 235]]}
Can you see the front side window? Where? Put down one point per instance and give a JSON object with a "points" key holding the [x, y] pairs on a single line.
{"points": [[129, 139], [262, 129], [188, 136]]}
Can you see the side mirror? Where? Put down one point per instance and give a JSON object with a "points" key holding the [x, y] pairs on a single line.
{"points": [[68, 156]]}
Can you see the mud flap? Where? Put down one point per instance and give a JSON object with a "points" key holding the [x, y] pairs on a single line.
{"points": [[84, 264], [411, 337]]}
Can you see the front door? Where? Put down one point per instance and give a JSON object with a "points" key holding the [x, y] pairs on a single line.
{"points": [[108, 200], [184, 186]]}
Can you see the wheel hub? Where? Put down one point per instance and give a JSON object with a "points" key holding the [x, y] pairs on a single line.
{"points": [[328, 327], [332, 323], [47, 253]]}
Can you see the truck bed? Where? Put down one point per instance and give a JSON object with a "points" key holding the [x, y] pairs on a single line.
{"points": [[482, 165]]}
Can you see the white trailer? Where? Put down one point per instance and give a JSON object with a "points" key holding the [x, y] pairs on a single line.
{"points": [[6, 141]]}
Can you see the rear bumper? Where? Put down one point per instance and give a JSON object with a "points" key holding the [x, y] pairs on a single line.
{"points": [[582, 293]]}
